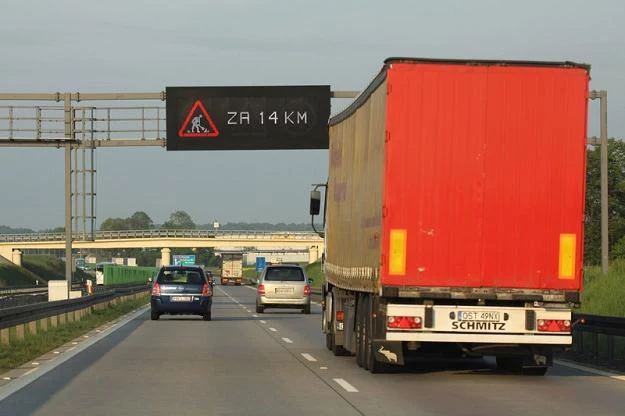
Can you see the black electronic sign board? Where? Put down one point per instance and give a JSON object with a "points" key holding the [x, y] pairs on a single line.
{"points": [[248, 118]]}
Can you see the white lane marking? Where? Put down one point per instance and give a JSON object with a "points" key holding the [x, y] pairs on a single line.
{"points": [[248, 311], [273, 329], [323, 368], [57, 352], [36, 363], [263, 322], [6, 378], [288, 341], [348, 387], [308, 357], [254, 316], [32, 370], [74, 343], [590, 370]]}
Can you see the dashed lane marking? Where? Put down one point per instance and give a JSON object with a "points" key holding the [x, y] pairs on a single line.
{"points": [[287, 340], [309, 357], [348, 387]]}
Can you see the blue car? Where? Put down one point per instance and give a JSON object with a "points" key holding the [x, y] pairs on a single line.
{"points": [[181, 290]]}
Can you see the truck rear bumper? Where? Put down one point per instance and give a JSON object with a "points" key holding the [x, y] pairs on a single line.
{"points": [[473, 338]]}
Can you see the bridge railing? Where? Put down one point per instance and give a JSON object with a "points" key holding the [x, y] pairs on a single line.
{"points": [[164, 233]]}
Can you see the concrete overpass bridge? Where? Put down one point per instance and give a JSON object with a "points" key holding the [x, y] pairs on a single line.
{"points": [[12, 245]]}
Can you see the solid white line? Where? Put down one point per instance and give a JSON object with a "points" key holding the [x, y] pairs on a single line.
{"points": [[308, 357], [590, 370], [348, 387], [288, 341], [273, 329], [30, 371]]}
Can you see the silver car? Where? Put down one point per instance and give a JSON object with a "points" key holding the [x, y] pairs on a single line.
{"points": [[283, 286]]}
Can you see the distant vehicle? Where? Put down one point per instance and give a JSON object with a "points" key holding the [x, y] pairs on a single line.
{"points": [[283, 286], [231, 268], [181, 290], [99, 271], [80, 263]]}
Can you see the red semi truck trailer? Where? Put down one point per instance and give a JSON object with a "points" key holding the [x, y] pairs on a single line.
{"points": [[454, 213]]}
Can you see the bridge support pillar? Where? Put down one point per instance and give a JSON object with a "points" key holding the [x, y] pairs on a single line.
{"points": [[17, 257], [313, 254], [165, 257]]}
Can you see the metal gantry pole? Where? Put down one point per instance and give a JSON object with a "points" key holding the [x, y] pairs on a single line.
{"points": [[68, 191], [603, 110]]}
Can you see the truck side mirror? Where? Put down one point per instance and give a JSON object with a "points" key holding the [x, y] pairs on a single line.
{"points": [[315, 202]]}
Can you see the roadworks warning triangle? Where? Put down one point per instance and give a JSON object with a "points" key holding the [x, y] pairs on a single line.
{"points": [[198, 123]]}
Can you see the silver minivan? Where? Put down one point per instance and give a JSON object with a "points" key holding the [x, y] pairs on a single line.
{"points": [[283, 286]]}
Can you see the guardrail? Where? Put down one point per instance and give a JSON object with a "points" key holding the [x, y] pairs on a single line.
{"points": [[22, 295], [599, 340], [162, 233], [27, 313]]}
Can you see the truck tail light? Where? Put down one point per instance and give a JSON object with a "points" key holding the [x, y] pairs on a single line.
{"points": [[404, 322], [340, 315], [156, 289], [554, 325], [307, 290], [261, 290]]}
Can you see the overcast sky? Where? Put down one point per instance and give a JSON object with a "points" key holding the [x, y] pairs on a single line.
{"points": [[144, 46]]}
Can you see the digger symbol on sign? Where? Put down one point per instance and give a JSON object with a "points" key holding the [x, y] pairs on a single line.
{"points": [[198, 123]]}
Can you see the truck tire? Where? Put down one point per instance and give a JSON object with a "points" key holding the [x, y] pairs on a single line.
{"points": [[360, 345], [260, 309], [329, 341], [535, 371], [337, 350], [515, 364], [370, 362]]}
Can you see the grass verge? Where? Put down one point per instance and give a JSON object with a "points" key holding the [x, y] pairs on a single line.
{"points": [[33, 346], [603, 294]]}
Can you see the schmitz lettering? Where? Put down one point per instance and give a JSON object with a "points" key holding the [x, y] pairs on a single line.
{"points": [[479, 326]]}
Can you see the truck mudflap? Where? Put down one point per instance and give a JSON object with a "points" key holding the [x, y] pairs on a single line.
{"points": [[389, 352]]}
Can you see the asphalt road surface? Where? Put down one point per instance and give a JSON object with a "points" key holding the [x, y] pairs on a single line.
{"points": [[276, 363]]}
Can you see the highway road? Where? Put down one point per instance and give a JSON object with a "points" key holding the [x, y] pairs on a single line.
{"points": [[276, 363]]}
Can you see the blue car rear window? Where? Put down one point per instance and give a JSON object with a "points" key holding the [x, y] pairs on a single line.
{"points": [[181, 277]]}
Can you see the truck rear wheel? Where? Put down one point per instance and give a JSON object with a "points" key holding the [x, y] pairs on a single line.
{"points": [[360, 344], [370, 362], [516, 364]]}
